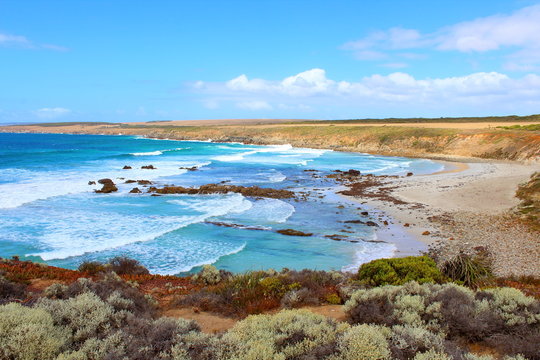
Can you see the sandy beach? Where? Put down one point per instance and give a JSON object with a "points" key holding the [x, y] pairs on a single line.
{"points": [[462, 207]]}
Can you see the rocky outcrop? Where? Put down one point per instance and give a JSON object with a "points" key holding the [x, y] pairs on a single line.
{"points": [[135, 191], [108, 186], [126, 167], [148, 167], [292, 232], [192, 168], [253, 191]]}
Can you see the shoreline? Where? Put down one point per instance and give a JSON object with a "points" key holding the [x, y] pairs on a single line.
{"points": [[478, 187], [462, 208]]}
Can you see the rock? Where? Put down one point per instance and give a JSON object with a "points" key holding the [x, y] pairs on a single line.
{"points": [[155, 195], [193, 168], [354, 222], [364, 213], [385, 222], [148, 167], [144, 182], [135, 191], [91, 183], [291, 232], [126, 167], [129, 181], [371, 223], [352, 172], [410, 174], [341, 207], [108, 186], [253, 191], [406, 224], [426, 233], [336, 237]]}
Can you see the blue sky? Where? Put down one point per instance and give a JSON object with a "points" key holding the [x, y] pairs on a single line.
{"points": [[140, 60]]}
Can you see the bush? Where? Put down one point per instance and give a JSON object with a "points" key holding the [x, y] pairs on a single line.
{"points": [[10, 291], [29, 334], [398, 271], [120, 294], [467, 269], [289, 334], [125, 266], [453, 312], [92, 267], [363, 342]]}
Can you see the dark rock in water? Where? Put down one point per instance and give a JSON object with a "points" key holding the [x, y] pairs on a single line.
{"points": [[91, 183], [410, 174], [385, 222], [426, 233], [237, 226], [130, 181], [155, 195], [126, 167], [354, 222], [144, 182], [352, 172], [341, 207], [193, 168], [371, 223], [364, 213], [291, 232], [311, 170], [148, 167], [135, 191], [336, 237], [253, 191], [108, 186]]}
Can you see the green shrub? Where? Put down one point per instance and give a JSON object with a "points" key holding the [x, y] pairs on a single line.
{"points": [[502, 317], [289, 334], [398, 271], [209, 275], [92, 267], [363, 342], [467, 269], [29, 334]]}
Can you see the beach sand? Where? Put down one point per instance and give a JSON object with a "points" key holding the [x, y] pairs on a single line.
{"points": [[463, 207]]}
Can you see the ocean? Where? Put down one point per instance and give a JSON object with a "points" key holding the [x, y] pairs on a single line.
{"points": [[50, 213]]}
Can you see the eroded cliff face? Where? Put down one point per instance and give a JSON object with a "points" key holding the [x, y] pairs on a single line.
{"points": [[384, 140]]}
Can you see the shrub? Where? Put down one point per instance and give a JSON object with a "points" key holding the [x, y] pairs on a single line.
{"points": [[10, 291], [289, 334], [398, 271], [363, 342], [125, 266], [432, 355], [92, 267], [502, 317], [209, 275], [29, 334], [467, 269], [120, 294]]}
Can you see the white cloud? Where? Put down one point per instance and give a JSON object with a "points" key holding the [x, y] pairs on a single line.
{"points": [[493, 90], [23, 42], [521, 29], [518, 31], [51, 113], [6, 39], [254, 105]]}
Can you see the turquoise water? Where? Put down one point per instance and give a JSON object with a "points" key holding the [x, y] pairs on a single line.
{"points": [[49, 212]]}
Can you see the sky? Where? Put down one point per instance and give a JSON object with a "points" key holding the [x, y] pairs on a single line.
{"points": [[130, 60]]}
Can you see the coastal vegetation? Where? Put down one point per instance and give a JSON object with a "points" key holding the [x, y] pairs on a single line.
{"points": [[413, 137], [409, 308]]}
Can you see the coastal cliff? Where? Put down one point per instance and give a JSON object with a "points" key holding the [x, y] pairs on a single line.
{"points": [[410, 140]]}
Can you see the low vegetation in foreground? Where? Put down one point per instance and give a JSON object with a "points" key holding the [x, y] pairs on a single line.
{"points": [[402, 308]]}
